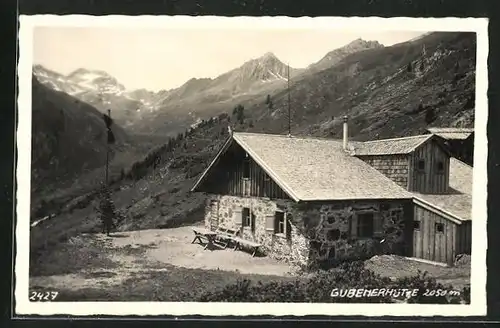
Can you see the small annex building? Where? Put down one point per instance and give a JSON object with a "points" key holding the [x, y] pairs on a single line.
{"points": [[315, 201], [460, 142]]}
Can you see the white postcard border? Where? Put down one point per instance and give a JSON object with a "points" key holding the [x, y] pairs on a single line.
{"points": [[479, 242]]}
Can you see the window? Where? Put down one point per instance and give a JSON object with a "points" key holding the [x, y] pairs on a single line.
{"points": [[421, 165], [416, 225], [248, 218], [246, 168], [440, 167], [365, 225], [439, 228], [279, 222], [245, 213], [267, 186]]}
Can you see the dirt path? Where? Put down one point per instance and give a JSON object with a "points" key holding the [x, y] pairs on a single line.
{"points": [[163, 265], [140, 253]]}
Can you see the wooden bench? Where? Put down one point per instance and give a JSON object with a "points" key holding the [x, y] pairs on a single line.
{"points": [[202, 233], [239, 242], [225, 235]]}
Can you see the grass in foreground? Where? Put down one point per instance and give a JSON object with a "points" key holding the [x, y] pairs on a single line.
{"points": [[170, 284]]}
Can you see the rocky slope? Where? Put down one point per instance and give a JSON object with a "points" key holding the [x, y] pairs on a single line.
{"points": [[99, 89], [335, 56], [386, 92], [169, 111], [204, 98]]}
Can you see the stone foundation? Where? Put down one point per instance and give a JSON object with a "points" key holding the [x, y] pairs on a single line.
{"points": [[332, 230], [321, 232], [293, 250]]}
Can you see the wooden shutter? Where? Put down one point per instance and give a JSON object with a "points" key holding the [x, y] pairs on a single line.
{"points": [[354, 225], [378, 229], [238, 217], [270, 223], [288, 228], [252, 221]]}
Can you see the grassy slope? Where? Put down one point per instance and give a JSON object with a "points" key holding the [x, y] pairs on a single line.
{"points": [[69, 148], [158, 200], [68, 138], [367, 87]]}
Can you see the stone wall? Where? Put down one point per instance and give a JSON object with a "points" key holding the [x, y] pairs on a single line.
{"points": [[321, 232], [395, 167], [331, 229], [293, 250]]}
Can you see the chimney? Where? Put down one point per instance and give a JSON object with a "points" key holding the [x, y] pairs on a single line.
{"points": [[346, 134]]}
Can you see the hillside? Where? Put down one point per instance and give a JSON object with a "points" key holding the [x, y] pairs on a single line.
{"points": [[68, 138], [386, 92], [382, 85], [204, 98], [335, 56], [97, 88], [168, 112]]}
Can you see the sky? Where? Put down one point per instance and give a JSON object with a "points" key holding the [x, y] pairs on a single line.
{"points": [[157, 58]]}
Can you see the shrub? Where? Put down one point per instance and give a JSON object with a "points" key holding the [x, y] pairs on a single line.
{"points": [[319, 286], [430, 115]]}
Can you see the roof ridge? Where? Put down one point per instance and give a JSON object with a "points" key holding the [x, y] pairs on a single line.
{"points": [[449, 128], [461, 162], [400, 138], [287, 136]]}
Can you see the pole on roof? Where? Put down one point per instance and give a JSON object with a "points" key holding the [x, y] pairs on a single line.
{"points": [[289, 111]]}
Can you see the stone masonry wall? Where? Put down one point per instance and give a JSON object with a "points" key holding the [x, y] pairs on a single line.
{"points": [[331, 229], [395, 167], [294, 251], [321, 232]]}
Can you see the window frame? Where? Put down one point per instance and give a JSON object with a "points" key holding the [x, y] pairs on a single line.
{"points": [[246, 168], [419, 161], [282, 221], [361, 217], [246, 217], [439, 169], [277, 223], [439, 224], [416, 228]]}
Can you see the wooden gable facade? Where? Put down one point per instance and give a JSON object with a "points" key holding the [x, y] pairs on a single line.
{"points": [[424, 170], [438, 238], [463, 149], [429, 168], [237, 174]]}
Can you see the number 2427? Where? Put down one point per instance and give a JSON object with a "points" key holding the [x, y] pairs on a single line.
{"points": [[43, 296]]}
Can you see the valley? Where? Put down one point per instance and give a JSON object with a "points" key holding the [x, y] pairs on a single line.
{"points": [[166, 139]]}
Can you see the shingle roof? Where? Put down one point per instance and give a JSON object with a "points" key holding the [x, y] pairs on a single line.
{"points": [[460, 176], [394, 146], [451, 133], [459, 201], [311, 169]]}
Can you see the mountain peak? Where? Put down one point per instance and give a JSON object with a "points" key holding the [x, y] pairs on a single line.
{"points": [[338, 54], [269, 54], [360, 43], [83, 71]]}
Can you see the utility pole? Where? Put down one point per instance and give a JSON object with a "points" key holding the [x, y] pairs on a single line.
{"points": [[289, 112], [107, 150], [110, 138]]}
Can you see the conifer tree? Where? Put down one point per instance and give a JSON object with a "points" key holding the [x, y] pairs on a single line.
{"points": [[430, 115], [409, 68], [106, 210]]}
